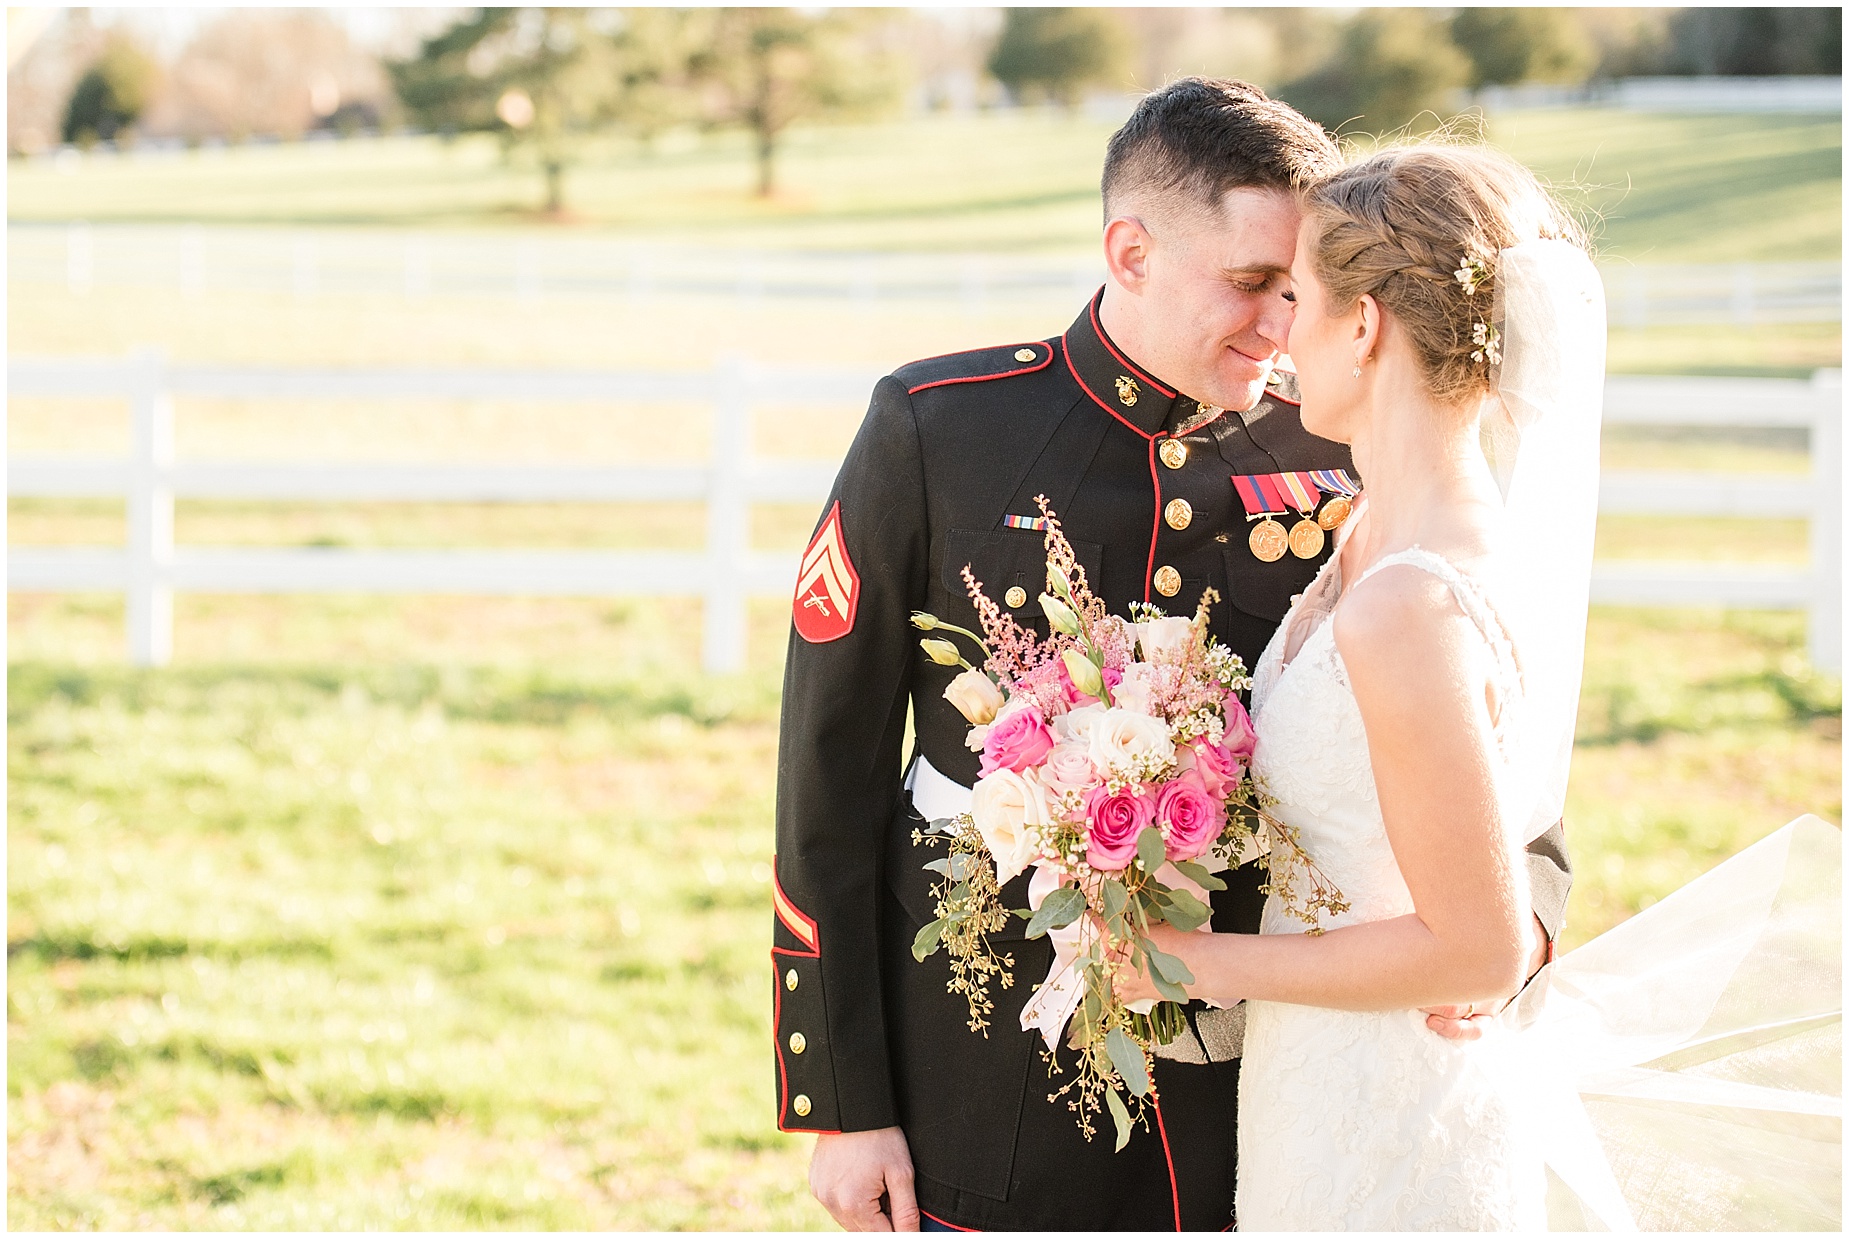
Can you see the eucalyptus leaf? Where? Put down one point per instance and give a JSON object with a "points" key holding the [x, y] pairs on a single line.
{"points": [[1127, 1057], [1115, 897], [1120, 1115], [1061, 908], [926, 941], [942, 826], [1197, 873], [1168, 967], [1150, 850], [940, 865], [1185, 912], [1168, 989]]}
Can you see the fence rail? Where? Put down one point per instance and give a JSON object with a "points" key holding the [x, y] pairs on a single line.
{"points": [[193, 260], [150, 568]]}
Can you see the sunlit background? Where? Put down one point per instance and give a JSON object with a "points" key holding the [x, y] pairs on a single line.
{"points": [[413, 416]]}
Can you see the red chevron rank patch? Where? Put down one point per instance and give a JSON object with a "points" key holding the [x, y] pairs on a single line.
{"points": [[827, 587]]}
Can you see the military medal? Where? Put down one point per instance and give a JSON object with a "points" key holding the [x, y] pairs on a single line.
{"points": [[1341, 500], [1306, 536], [1306, 539], [1263, 500], [1268, 540]]}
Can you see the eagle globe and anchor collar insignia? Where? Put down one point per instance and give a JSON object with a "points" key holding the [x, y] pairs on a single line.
{"points": [[827, 586]]}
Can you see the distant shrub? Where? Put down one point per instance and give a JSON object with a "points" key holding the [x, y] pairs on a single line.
{"points": [[112, 94]]}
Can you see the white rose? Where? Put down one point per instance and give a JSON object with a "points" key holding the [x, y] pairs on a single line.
{"points": [[975, 695], [1076, 725], [1124, 741], [1004, 805], [1165, 640], [1134, 691], [1068, 768]]}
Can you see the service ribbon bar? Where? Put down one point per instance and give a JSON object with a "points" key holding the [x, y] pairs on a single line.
{"points": [[1336, 481], [1037, 523], [1259, 501], [1301, 489]]}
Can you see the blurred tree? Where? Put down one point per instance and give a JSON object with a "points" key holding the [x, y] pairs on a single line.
{"points": [[544, 79], [1736, 42], [767, 68], [1390, 66], [273, 72], [1508, 45], [1056, 53], [112, 93]]}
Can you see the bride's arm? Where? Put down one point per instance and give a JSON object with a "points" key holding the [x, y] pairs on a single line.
{"points": [[1419, 671]]}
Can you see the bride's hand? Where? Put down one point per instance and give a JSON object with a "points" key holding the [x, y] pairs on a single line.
{"points": [[1133, 984]]}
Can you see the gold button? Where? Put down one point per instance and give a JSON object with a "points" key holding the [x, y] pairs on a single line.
{"points": [[1173, 452], [790, 979], [1015, 597], [798, 1043], [1168, 581], [1273, 379], [1179, 513], [1025, 354], [800, 1104]]}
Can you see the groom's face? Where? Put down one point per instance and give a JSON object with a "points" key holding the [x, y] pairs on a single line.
{"points": [[1214, 319]]}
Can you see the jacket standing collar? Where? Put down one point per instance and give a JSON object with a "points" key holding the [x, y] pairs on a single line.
{"points": [[1124, 389]]}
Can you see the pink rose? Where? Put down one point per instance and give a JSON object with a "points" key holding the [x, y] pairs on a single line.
{"points": [[1115, 822], [1194, 816], [1015, 741], [1239, 739], [1216, 767], [1068, 768]]}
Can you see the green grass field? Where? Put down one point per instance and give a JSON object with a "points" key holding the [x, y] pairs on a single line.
{"points": [[303, 935], [1668, 188], [425, 912]]}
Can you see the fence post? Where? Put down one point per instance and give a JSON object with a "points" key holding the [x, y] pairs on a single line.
{"points": [[1826, 524], [728, 520], [150, 515]]}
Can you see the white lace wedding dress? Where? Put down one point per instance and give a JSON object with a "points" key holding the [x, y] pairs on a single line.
{"points": [[1363, 1120]]}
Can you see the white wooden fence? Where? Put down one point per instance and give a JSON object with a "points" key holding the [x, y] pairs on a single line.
{"points": [[150, 567], [194, 261]]}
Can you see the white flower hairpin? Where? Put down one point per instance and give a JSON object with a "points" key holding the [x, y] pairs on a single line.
{"points": [[1471, 274]]}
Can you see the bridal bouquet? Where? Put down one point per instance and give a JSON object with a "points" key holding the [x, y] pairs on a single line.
{"points": [[1115, 765]]}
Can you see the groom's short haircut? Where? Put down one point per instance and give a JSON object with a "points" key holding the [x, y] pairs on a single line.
{"points": [[1189, 143]]}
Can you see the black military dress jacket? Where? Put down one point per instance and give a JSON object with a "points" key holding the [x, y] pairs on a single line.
{"points": [[1140, 476]]}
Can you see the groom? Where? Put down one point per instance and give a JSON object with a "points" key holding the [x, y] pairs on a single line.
{"points": [[1135, 424]]}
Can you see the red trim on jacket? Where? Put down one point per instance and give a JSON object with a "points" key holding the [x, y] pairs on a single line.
{"points": [[1036, 345], [1155, 478], [968, 1230], [1127, 364], [1155, 531], [1162, 1130]]}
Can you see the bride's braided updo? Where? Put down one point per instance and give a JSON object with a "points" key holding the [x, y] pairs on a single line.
{"points": [[1418, 228]]}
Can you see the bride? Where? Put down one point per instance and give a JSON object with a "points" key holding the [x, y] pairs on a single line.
{"points": [[1414, 711]]}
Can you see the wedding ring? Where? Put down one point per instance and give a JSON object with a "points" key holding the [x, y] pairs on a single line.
{"points": [[1470, 1009]]}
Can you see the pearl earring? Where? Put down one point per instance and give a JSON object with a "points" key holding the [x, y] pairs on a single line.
{"points": [[1357, 371]]}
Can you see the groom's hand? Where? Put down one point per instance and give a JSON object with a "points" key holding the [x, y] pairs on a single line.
{"points": [[1468, 1023], [864, 1179]]}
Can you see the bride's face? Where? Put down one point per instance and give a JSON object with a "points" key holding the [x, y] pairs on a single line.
{"points": [[1323, 347]]}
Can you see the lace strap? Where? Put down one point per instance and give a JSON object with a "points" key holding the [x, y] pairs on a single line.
{"points": [[1470, 599]]}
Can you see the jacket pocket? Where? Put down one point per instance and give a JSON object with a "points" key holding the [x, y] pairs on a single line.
{"points": [[1005, 559], [1265, 589]]}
